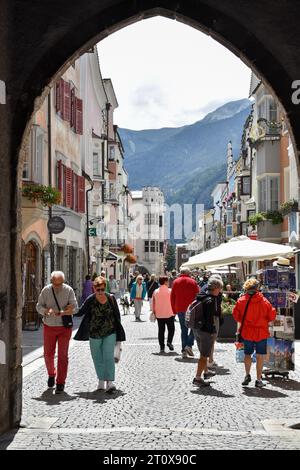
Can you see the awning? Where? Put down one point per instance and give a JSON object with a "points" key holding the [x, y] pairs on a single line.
{"points": [[237, 250]]}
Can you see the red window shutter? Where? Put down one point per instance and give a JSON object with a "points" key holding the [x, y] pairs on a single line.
{"points": [[69, 187], [66, 111], [78, 116], [59, 176], [81, 194], [75, 192], [73, 114], [59, 96]]}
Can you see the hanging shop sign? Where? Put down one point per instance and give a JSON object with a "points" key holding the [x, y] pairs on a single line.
{"points": [[56, 225]]}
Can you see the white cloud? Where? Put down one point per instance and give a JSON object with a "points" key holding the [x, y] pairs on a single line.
{"points": [[168, 74]]}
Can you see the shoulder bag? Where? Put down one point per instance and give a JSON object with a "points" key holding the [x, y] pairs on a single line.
{"points": [[66, 319]]}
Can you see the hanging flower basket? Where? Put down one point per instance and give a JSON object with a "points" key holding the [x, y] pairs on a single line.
{"points": [[128, 249], [131, 259], [46, 195], [288, 207]]}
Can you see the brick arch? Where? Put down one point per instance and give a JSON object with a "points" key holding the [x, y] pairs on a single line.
{"points": [[38, 40]]}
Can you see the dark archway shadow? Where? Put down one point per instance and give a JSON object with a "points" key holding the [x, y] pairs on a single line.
{"points": [[285, 384], [51, 399], [100, 396], [263, 393], [211, 392], [7, 439]]}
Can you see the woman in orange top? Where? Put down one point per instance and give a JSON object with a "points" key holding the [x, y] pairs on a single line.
{"points": [[255, 327], [162, 309]]}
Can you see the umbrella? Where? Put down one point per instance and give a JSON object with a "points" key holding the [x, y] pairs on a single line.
{"points": [[238, 250]]}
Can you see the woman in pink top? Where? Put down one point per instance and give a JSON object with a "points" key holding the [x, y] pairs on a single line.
{"points": [[162, 309]]}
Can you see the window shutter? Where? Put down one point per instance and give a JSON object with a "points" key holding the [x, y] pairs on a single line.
{"points": [[78, 116], [59, 96], [69, 187], [66, 111], [81, 194], [73, 117]]}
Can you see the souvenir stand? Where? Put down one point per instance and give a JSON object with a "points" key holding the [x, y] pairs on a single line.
{"points": [[279, 287]]}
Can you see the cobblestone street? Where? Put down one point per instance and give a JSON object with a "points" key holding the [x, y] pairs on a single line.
{"points": [[155, 406]]}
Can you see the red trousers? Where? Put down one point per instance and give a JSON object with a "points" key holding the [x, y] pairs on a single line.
{"points": [[61, 336]]}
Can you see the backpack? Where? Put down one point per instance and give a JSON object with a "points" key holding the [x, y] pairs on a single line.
{"points": [[194, 316]]}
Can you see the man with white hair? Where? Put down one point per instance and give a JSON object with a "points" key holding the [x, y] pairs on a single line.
{"points": [[56, 304], [183, 293]]}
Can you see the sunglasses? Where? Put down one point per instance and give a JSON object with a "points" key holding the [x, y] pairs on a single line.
{"points": [[100, 289]]}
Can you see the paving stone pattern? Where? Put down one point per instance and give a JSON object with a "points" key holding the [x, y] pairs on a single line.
{"points": [[155, 406]]}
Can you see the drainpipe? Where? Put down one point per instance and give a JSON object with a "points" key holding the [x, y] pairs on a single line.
{"points": [[51, 244], [89, 179]]}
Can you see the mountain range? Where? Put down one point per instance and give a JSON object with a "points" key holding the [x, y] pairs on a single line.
{"points": [[185, 162]]}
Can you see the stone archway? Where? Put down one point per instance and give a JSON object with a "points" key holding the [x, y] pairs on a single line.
{"points": [[39, 40]]}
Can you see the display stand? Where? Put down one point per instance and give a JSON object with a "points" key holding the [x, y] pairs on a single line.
{"points": [[279, 288]]}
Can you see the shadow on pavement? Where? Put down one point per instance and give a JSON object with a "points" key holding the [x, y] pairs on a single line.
{"points": [[289, 384], [148, 338], [222, 371], [187, 360], [7, 439], [100, 396], [51, 399], [166, 354], [263, 393], [211, 392]]}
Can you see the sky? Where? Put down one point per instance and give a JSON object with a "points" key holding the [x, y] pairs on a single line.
{"points": [[167, 74]]}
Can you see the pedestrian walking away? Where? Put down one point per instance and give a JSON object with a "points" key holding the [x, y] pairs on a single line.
{"points": [[204, 328], [122, 286], [56, 304], [162, 309], [254, 312], [87, 289], [138, 294], [113, 286], [218, 320], [102, 327], [152, 285], [183, 293]]}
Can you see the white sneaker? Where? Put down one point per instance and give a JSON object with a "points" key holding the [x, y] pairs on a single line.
{"points": [[110, 386], [101, 385], [189, 350], [184, 354]]}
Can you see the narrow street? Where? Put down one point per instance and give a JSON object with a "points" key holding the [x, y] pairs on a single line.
{"points": [[155, 406]]}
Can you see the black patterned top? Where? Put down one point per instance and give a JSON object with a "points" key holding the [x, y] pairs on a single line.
{"points": [[102, 320]]}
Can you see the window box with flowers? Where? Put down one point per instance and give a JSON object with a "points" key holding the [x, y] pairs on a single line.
{"points": [[46, 195]]}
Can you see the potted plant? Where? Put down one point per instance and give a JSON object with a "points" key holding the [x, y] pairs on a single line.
{"points": [[228, 329], [274, 216], [255, 219], [46, 195]]}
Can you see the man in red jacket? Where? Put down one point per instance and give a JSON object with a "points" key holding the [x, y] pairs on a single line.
{"points": [[184, 292]]}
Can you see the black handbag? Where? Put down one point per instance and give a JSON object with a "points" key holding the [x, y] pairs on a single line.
{"points": [[66, 319], [239, 336]]}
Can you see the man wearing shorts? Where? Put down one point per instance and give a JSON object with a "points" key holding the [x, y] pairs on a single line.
{"points": [[205, 334]]}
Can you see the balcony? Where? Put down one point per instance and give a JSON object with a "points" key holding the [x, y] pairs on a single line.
{"points": [[268, 231]]}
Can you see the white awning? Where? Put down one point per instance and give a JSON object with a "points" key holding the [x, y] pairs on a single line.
{"points": [[237, 250]]}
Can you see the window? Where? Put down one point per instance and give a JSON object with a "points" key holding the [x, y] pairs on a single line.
{"points": [[161, 247], [245, 189], [152, 246], [161, 221], [268, 194], [96, 164], [111, 153], [229, 216], [146, 246], [272, 110]]}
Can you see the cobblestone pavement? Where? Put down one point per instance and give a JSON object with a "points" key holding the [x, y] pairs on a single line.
{"points": [[155, 406]]}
